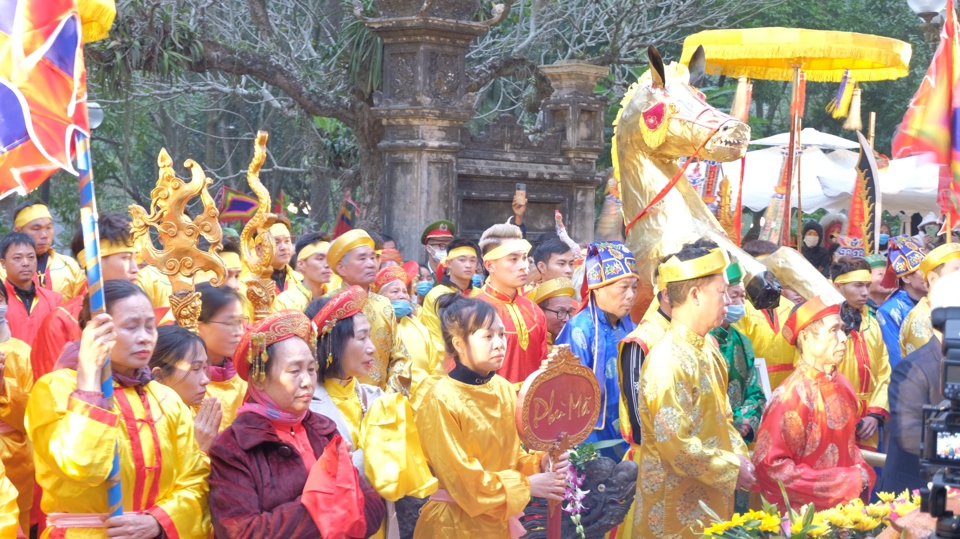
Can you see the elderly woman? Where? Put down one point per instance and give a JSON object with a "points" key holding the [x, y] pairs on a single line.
{"points": [[74, 431], [179, 362], [260, 464], [220, 325], [368, 419], [470, 436]]}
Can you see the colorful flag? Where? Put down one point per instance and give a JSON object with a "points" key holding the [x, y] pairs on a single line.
{"points": [[43, 91], [235, 205], [345, 218], [931, 121], [863, 223]]}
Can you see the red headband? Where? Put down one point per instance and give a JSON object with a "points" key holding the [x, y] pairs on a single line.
{"points": [[251, 354], [387, 275], [804, 315]]}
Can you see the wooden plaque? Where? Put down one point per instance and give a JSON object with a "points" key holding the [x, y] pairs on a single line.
{"points": [[559, 403]]}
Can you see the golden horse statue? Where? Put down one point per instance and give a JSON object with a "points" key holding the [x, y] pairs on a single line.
{"points": [[180, 258], [665, 118]]}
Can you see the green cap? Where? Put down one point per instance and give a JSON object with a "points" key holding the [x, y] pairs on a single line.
{"points": [[441, 228], [876, 261], [735, 273]]}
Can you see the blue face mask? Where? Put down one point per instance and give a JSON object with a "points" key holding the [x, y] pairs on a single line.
{"points": [[884, 238], [402, 307], [424, 287], [476, 280], [734, 314]]}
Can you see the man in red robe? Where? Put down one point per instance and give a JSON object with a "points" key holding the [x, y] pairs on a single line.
{"points": [[808, 438], [28, 303], [505, 258], [117, 261]]}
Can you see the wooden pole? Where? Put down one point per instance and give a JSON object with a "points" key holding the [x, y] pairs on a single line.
{"points": [[799, 197], [791, 154], [554, 508], [871, 129]]}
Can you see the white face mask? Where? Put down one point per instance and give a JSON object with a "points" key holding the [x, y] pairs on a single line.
{"points": [[3, 314], [811, 241]]}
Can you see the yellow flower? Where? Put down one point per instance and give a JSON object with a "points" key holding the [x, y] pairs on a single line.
{"points": [[886, 497], [879, 511], [867, 524], [717, 529], [770, 523], [821, 527]]}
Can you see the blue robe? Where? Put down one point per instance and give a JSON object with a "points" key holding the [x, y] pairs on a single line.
{"points": [[891, 315], [581, 333]]}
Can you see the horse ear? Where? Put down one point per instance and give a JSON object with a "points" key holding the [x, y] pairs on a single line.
{"points": [[697, 66], [656, 66]]}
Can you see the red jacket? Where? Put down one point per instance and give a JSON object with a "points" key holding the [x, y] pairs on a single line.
{"points": [[57, 329], [256, 481], [24, 326]]}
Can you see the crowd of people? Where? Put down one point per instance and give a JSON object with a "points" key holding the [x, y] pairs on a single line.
{"points": [[376, 380]]}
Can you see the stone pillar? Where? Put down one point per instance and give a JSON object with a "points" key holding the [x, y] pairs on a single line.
{"points": [[579, 114], [422, 106]]}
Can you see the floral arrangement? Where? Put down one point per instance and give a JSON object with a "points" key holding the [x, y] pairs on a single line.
{"points": [[573, 496], [853, 520]]}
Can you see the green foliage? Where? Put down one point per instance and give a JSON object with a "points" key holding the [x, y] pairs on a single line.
{"points": [[582, 455]]}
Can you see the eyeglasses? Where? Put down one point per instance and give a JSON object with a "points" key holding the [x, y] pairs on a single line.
{"points": [[561, 315], [236, 323]]}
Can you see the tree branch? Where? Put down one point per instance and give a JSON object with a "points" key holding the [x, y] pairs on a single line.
{"points": [[508, 66]]}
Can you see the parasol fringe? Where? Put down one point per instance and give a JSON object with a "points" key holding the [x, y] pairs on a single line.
{"points": [[740, 108], [97, 17], [854, 121]]}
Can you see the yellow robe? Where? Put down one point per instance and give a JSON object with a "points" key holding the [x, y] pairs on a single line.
{"points": [[870, 378], [9, 514], [917, 329], [767, 341], [16, 453], [423, 357], [293, 298], [690, 449], [73, 446], [230, 393], [651, 329], [470, 438], [156, 285], [431, 319]]}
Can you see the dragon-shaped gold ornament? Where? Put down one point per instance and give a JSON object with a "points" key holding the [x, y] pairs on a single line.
{"points": [[180, 258], [256, 243]]}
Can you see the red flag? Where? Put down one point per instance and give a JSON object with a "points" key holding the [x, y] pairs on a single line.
{"points": [[931, 122], [43, 91], [348, 213]]}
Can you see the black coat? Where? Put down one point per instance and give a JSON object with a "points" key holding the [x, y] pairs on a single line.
{"points": [[256, 481], [915, 382], [819, 257]]}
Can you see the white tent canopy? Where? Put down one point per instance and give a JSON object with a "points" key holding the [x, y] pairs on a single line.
{"points": [[809, 137], [826, 180]]}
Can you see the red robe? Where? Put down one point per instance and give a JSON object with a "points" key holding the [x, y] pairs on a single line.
{"points": [[56, 330], [808, 441], [24, 326], [526, 328]]}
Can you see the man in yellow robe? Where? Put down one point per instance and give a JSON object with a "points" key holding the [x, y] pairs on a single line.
{"points": [[55, 271], [460, 266], [311, 262], [16, 453], [691, 452], [352, 258], [917, 329], [866, 364]]}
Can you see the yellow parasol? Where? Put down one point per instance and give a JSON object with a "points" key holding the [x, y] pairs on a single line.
{"points": [[823, 55], [799, 55]]}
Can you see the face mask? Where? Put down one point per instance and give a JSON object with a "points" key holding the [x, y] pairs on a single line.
{"points": [[884, 239], [402, 307], [424, 288], [734, 314], [438, 254], [476, 280], [3, 314], [931, 230], [811, 241]]}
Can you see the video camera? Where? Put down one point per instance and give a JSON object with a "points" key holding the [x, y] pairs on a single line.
{"points": [[940, 444]]}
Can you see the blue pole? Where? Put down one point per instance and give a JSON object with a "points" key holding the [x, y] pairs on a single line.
{"points": [[91, 246]]}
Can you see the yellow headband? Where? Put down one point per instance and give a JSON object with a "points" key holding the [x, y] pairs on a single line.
{"points": [[939, 256], [507, 248], [551, 289], [463, 250], [107, 248], [312, 249], [231, 260], [347, 242], [675, 270], [856, 276], [31, 213], [279, 229]]}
